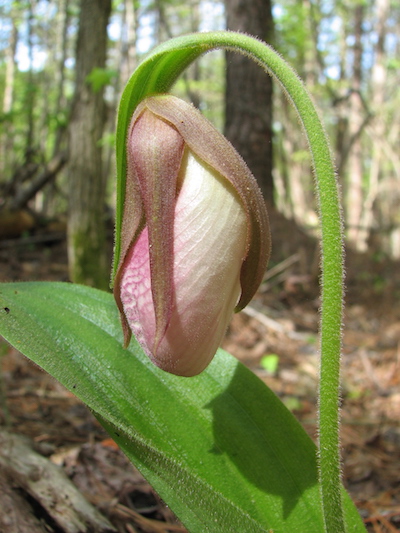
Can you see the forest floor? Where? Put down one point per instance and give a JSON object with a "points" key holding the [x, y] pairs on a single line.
{"points": [[277, 338]]}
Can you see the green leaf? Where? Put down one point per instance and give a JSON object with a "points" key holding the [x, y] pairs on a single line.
{"points": [[270, 363], [100, 77], [220, 448]]}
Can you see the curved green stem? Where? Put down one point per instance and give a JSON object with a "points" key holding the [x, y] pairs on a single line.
{"points": [[156, 75]]}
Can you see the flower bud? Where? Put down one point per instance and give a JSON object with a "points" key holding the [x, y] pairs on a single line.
{"points": [[194, 239]]}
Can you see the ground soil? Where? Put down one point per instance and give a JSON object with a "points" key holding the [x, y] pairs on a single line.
{"points": [[282, 321]]}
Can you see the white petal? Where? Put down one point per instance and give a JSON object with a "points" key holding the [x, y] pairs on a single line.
{"points": [[210, 230], [210, 240]]}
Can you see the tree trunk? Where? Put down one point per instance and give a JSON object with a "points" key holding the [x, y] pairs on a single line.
{"points": [[248, 96], [378, 83], [86, 220], [356, 122], [30, 89], [8, 98], [10, 69], [61, 46], [128, 49]]}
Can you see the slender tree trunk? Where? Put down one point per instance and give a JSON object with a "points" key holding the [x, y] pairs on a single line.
{"points": [[50, 82], [356, 119], [86, 221], [30, 104], [341, 137], [248, 96], [378, 83], [162, 30], [192, 75], [63, 24], [128, 49], [8, 98], [10, 69]]}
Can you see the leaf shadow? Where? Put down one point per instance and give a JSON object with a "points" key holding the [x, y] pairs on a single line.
{"points": [[265, 442]]}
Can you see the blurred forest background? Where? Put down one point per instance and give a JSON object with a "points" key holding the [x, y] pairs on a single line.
{"points": [[63, 66], [64, 63]]}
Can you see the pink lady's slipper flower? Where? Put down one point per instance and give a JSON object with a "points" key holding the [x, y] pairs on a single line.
{"points": [[195, 236]]}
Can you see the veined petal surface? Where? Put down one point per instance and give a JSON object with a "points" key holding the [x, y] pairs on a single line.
{"points": [[210, 232]]}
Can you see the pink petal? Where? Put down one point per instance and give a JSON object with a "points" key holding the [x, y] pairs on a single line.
{"points": [[210, 233]]}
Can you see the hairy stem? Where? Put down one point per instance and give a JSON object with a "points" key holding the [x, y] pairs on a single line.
{"points": [[156, 75]]}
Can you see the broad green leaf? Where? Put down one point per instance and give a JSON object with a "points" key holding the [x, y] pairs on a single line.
{"points": [[220, 448]]}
